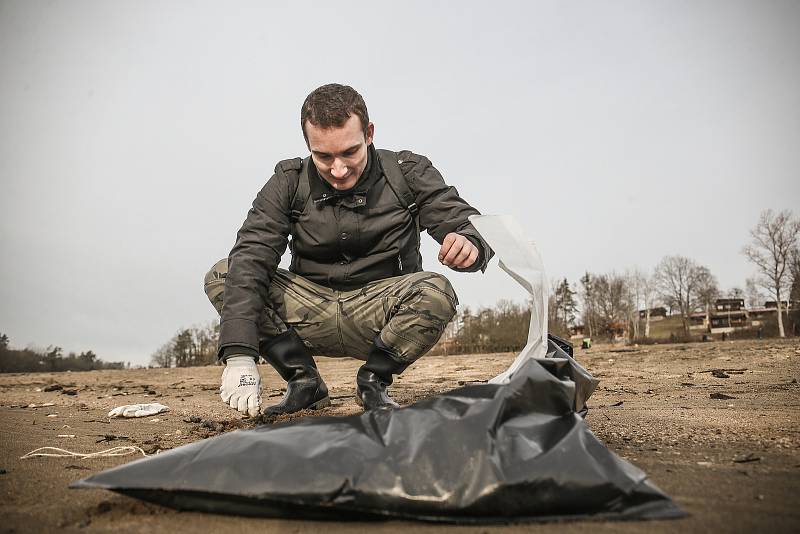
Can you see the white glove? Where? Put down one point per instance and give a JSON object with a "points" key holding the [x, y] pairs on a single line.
{"points": [[241, 385], [138, 410]]}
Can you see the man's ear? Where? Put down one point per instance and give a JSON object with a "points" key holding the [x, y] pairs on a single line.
{"points": [[370, 133]]}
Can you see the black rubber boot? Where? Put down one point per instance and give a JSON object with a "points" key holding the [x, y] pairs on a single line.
{"points": [[376, 375], [304, 387]]}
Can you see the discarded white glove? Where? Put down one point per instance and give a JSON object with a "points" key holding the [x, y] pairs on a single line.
{"points": [[138, 410], [241, 385]]}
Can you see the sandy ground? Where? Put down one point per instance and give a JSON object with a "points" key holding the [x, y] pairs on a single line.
{"points": [[733, 464]]}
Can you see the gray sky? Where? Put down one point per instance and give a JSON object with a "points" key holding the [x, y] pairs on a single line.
{"points": [[135, 135]]}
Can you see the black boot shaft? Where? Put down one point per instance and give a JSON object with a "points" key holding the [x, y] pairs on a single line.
{"points": [[376, 375], [288, 355], [304, 387]]}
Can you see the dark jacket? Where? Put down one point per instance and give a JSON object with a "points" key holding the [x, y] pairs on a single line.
{"points": [[341, 240]]}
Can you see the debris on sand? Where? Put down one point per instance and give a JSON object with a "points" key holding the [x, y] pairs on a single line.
{"points": [[721, 396], [153, 448], [53, 387], [111, 437], [749, 457], [719, 373], [461, 383], [45, 405], [629, 349], [218, 427], [718, 370], [138, 410]]}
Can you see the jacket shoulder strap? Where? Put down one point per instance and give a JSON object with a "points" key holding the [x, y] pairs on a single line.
{"points": [[398, 183], [298, 168]]}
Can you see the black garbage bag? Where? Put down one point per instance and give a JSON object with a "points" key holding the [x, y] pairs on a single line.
{"points": [[585, 383], [485, 453]]}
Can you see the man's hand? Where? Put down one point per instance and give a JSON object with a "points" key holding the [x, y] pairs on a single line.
{"points": [[241, 385], [458, 252]]}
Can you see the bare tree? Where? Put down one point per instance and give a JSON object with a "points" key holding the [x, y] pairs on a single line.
{"points": [[685, 285], [196, 345], [794, 268], [634, 280], [587, 296], [735, 293], [648, 291], [163, 356], [643, 296], [753, 291], [612, 302], [707, 291], [774, 238]]}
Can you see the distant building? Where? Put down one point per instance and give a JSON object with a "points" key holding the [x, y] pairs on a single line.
{"points": [[724, 305], [774, 304], [698, 321], [656, 314], [728, 321], [759, 314], [726, 316]]}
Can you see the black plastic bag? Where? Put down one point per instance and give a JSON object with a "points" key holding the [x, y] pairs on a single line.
{"points": [[485, 453]]}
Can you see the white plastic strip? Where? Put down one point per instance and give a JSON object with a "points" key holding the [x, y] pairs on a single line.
{"points": [[520, 259], [56, 452]]}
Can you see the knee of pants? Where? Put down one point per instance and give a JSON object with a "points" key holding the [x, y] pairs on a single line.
{"points": [[436, 294], [425, 309], [214, 283]]}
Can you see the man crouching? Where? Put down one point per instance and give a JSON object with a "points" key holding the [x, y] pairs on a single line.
{"points": [[355, 286]]}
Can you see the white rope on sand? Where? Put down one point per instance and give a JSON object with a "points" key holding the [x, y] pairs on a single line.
{"points": [[55, 452]]}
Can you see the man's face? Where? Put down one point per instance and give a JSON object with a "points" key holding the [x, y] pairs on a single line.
{"points": [[340, 154]]}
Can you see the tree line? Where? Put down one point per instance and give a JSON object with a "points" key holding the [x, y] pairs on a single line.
{"points": [[611, 303], [189, 347], [49, 360], [619, 304]]}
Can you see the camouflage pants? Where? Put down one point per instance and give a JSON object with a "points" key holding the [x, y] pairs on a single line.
{"points": [[409, 312]]}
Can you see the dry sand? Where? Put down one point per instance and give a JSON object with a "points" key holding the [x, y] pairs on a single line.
{"points": [[733, 464]]}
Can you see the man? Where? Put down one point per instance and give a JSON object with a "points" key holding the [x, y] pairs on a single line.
{"points": [[355, 286]]}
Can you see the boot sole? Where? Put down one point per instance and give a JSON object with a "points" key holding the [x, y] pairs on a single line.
{"points": [[322, 403], [360, 402]]}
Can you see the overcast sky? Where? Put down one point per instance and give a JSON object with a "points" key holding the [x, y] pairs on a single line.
{"points": [[134, 136]]}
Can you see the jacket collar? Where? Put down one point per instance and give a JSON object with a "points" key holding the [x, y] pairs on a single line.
{"points": [[322, 191]]}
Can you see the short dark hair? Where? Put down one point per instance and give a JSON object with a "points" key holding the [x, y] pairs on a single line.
{"points": [[331, 106]]}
